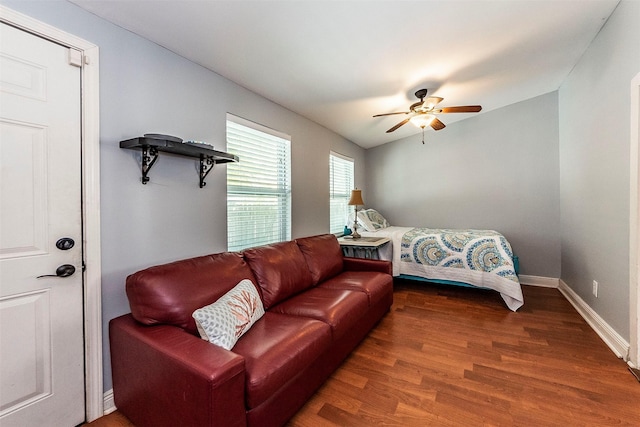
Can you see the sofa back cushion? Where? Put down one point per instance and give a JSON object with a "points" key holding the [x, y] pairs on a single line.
{"points": [[280, 270], [170, 293], [323, 256]]}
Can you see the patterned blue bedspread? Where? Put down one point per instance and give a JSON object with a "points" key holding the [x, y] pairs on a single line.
{"points": [[477, 257]]}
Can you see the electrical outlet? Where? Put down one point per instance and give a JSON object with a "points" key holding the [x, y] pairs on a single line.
{"points": [[595, 289]]}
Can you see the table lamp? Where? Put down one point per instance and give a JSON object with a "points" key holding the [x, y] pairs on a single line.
{"points": [[356, 200]]}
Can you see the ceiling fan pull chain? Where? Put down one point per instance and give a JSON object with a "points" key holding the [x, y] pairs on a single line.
{"points": [[422, 135]]}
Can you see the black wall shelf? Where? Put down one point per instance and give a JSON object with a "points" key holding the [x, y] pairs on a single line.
{"points": [[151, 147]]}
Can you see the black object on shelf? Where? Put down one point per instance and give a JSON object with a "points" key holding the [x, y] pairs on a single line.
{"points": [[151, 147]]}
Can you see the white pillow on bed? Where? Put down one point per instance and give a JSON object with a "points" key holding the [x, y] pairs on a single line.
{"points": [[375, 220], [369, 220], [362, 221]]}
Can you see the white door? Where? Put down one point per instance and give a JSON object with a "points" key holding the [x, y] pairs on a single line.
{"points": [[41, 319]]}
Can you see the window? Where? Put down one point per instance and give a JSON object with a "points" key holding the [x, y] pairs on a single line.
{"points": [[340, 186], [258, 186]]}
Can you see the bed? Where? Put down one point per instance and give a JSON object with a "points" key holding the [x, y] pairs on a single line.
{"points": [[476, 258]]}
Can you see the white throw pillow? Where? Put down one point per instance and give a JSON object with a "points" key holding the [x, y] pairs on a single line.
{"points": [[363, 221], [226, 320], [376, 220], [368, 220]]}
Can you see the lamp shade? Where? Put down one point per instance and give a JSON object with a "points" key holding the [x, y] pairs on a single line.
{"points": [[356, 198]]}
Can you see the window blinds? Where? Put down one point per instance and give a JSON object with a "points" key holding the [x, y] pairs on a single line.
{"points": [[258, 186], [340, 185]]}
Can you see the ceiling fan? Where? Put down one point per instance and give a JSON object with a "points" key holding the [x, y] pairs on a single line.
{"points": [[422, 113]]}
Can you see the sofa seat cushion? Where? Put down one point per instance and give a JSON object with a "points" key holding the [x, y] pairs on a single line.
{"points": [[375, 285], [276, 349], [323, 255], [280, 270], [339, 308]]}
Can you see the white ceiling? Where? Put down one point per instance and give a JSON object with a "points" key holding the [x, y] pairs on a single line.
{"points": [[340, 62]]}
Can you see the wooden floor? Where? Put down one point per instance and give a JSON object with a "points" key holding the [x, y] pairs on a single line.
{"points": [[447, 356]]}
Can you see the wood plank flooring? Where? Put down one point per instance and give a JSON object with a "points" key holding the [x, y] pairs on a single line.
{"points": [[448, 356]]}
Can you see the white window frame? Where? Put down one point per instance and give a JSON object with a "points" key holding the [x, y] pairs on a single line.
{"points": [[341, 182], [258, 186]]}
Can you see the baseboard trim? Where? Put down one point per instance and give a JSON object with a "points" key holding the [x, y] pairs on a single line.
{"points": [[543, 282], [611, 338], [109, 403]]}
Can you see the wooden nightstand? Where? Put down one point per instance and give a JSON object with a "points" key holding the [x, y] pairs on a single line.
{"points": [[364, 247]]}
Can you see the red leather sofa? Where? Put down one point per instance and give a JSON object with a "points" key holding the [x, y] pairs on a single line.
{"points": [[318, 307]]}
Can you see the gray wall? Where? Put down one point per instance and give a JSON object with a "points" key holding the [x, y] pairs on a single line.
{"points": [[594, 106], [145, 88], [496, 170]]}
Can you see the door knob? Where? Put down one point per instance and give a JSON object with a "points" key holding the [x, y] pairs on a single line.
{"points": [[65, 270]]}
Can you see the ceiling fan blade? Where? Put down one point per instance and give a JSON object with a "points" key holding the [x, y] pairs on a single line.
{"points": [[391, 114], [462, 109], [436, 124], [405, 121]]}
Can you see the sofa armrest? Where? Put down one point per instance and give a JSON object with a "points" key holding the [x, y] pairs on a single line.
{"points": [[363, 264], [164, 376]]}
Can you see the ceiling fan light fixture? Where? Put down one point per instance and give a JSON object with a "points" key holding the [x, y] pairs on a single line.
{"points": [[422, 113], [422, 120], [431, 102]]}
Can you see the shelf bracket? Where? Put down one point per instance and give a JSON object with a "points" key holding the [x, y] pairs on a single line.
{"points": [[206, 165], [149, 157]]}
